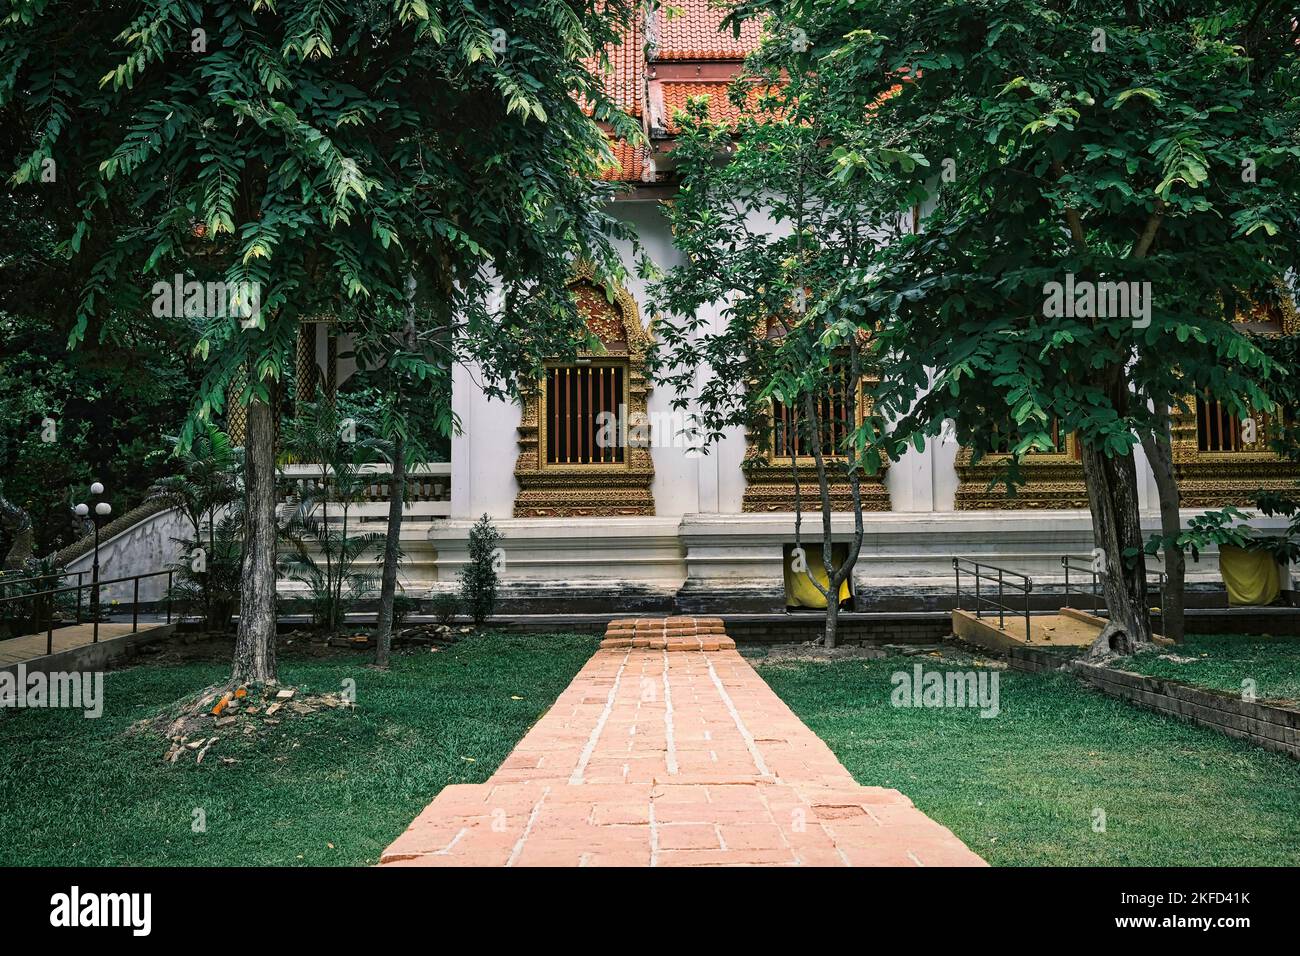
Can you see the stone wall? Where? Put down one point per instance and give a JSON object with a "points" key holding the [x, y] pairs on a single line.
{"points": [[1270, 726]]}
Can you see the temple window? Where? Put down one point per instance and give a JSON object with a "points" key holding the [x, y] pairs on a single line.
{"points": [[1052, 478], [769, 477], [584, 415], [835, 418], [1216, 428], [1219, 457], [579, 453]]}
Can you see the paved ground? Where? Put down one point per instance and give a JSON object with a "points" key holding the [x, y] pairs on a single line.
{"points": [[15, 650], [665, 752]]}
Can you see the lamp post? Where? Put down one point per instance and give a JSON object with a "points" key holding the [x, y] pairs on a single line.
{"points": [[99, 517]]}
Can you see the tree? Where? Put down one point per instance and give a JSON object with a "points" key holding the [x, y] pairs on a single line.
{"points": [[303, 158], [767, 228], [403, 364], [478, 578], [1101, 178]]}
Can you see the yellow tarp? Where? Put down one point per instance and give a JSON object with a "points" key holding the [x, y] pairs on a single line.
{"points": [[1250, 576], [799, 591]]}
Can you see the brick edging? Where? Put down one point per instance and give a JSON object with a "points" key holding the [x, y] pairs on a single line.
{"points": [[668, 633], [1270, 726]]}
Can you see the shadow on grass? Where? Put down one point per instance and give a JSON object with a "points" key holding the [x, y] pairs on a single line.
{"points": [[1028, 787], [79, 791]]}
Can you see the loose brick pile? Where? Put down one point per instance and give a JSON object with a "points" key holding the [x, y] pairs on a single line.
{"points": [[651, 758], [668, 634]]}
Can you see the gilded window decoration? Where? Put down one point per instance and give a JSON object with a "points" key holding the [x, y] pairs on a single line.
{"points": [[1053, 479], [1220, 459], [768, 471], [582, 447]]}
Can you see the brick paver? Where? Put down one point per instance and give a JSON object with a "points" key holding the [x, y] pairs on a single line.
{"points": [[16, 650], [655, 758]]}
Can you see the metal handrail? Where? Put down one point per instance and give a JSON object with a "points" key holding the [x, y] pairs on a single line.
{"points": [[1085, 567], [96, 585], [5, 582], [991, 572]]}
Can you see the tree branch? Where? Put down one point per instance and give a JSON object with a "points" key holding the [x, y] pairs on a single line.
{"points": [[1149, 231], [1072, 217]]}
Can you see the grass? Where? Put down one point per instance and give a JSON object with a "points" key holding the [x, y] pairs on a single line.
{"points": [[1223, 661], [333, 788], [1022, 788]]}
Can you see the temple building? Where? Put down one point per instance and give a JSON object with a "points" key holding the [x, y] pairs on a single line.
{"points": [[653, 524]]}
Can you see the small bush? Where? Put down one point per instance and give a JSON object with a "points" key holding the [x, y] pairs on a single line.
{"points": [[478, 579], [403, 606], [445, 607]]}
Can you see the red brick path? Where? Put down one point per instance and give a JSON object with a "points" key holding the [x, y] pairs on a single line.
{"points": [[651, 758]]}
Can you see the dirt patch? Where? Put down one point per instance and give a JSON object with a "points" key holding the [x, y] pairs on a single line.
{"points": [[186, 648], [199, 722], [944, 654], [815, 652]]}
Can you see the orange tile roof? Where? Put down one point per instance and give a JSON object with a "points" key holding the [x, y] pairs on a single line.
{"points": [[720, 109], [630, 163], [694, 34], [624, 81]]}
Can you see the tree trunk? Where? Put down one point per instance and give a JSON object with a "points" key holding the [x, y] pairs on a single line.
{"points": [[392, 548], [1117, 530], [831, 634], [255, 642], [832, 589], [1159, 449]]}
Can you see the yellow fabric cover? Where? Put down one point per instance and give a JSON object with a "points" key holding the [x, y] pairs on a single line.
{"points": [[1250, 576], [799, 591]]}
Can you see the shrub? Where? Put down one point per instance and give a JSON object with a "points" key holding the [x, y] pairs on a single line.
{"points": [[403, 606], [445, 607], [478, 579]]}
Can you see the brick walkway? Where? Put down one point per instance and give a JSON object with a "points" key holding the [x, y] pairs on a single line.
{"points": [[15, 650], [669, 750]]}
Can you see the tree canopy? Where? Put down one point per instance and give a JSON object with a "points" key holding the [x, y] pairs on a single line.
{"points": [[312, 151]]}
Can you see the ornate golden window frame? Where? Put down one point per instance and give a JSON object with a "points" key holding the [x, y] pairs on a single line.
{"points": [[769, 478], [1212, 479], [1053, 480], [610, 489]]}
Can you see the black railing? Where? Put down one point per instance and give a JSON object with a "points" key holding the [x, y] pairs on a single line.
{"points": [[1081, 566], [1084, 566], [95, 587], [1005, 581], [6, 581]]}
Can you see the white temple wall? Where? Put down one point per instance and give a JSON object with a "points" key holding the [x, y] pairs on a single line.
{"points": [[699, 549]]}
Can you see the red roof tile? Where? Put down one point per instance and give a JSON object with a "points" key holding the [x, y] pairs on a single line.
{"points": [[624, 81], [694, 34], [721, 109], [630, 163]]}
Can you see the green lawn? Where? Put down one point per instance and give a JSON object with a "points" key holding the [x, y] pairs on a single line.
{"points": [[78, 791], [1223, 661], [1021, 788]]}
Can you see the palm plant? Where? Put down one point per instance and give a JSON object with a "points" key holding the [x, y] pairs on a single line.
{"points": [[208, 492], [324, 555], [214, 584]]}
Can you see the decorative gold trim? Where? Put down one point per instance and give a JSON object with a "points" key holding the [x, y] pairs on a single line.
{"points": [[769, 479], [1215, 479], [1054, 480], [609, 490]]}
